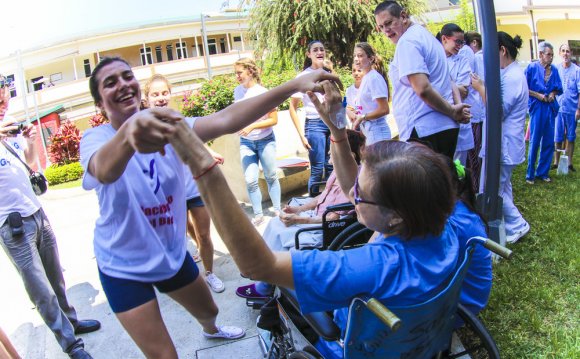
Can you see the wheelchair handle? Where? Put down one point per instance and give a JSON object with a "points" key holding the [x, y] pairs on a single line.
{"points": [[497, 248], [384, 314], [340, 207]]}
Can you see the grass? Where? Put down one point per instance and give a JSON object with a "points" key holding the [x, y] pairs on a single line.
{"points": [[534, 309], [70, 184]]}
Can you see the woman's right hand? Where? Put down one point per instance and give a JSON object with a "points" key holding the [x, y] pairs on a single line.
{"points": [[291, 209], [331, 105], [147, 130], [314, 80], [305, 143]]}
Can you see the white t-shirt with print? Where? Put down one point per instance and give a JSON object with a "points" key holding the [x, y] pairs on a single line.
{"points": [[17, 194], [309, 108], [241, 93], [140, 232], [419, 52]]}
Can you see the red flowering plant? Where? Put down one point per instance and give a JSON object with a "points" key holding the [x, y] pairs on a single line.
{"points": [[97, 120], [64, 145]]}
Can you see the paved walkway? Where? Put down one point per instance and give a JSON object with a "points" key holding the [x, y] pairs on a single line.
{"points": [[72, 213]]}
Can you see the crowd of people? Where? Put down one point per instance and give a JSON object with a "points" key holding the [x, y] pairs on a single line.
{"points": [[410, 192]]}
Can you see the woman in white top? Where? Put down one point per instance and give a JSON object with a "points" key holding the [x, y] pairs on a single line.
{"points": [[372, 96], [257, 141], [158, 94], [352, 108], [514, 90], [139, 236], [452, 39], [316, 137]]}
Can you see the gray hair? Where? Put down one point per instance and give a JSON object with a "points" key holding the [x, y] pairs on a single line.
{"points": [[543, 45]]}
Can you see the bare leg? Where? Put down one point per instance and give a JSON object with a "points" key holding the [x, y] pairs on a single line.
{"points": [[570, 151], [145, 326], [201, 224], [558, 146], [7, 350], [197, 300]]}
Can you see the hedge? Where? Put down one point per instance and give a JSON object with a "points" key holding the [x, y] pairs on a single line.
{"points": [[66, 173]]}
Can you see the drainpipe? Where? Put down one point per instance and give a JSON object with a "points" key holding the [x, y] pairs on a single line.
{"points": [[489, 202], [534, 36], [205, 46]]}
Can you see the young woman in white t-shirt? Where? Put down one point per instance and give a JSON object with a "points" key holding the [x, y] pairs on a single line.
{"points": [[257, 141], [352, 108], [316, 136], [158, 94], [139, 238], [372, 96]]}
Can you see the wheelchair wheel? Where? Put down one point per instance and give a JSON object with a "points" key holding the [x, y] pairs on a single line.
{"points": [[475, 338]]}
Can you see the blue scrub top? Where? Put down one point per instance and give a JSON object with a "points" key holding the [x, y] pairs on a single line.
{"points": [[535, 77], [570, 77]]}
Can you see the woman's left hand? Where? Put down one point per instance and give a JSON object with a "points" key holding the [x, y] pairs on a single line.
{"points": [[313, 81], [289, 219], [357, 121], [245, 131]]}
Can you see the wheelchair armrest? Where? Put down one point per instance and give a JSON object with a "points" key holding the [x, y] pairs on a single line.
{"points": [[301, 230], [314, 189], [321, 322], [347, 206]]}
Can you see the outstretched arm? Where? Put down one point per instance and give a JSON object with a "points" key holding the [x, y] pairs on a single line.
{"points": [[240, 114], [239, 235]]}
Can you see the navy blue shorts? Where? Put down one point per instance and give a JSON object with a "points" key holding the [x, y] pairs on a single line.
{"points": [[195, 202], [126, 294]]}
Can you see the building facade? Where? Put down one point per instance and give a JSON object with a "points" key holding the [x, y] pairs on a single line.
{"points": [[58, 74]]}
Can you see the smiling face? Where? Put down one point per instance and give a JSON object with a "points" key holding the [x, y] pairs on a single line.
{"points": [[566, 54], [393, 27], [119, 90], [362, 60], [159, 94], [316, 53], [452, 44], [357, 75]]}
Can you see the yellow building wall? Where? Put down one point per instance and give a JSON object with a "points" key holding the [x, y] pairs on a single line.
{"points": [[130, 54], [526, 34], [558, 33]]}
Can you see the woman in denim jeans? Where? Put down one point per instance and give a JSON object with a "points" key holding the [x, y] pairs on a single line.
{"points": [[257, 141], [316, 137]]}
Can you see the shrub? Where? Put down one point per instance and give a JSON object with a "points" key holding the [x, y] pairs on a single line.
{"points": [[64, 145], [59, 174], [211, 97], [98, 120]]}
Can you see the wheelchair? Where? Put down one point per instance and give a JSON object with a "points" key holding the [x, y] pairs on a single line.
{"points": [[375, 331]]}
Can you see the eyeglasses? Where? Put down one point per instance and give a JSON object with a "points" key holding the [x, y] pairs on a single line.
{"points": [[5, 82], [459, 42], [357, 199]]}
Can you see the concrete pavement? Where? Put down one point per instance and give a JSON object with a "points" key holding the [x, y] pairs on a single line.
{"points": [[72, 213]]}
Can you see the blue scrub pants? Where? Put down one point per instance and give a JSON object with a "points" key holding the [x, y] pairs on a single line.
{"points": [[542, 122], [318, 136]]}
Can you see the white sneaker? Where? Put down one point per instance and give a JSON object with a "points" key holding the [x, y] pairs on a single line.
{"points": [[214, 282], [519, 234], [226, 332]]}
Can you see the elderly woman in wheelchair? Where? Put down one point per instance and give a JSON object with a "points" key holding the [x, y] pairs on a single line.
{"points": [[403, 191], [303, 213]]}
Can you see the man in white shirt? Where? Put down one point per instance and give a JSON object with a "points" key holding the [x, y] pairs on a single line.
{"points": [[27, 238], [422, 99]]}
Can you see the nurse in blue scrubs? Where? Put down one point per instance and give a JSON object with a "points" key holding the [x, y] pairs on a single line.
{"points": [[544, 84]]}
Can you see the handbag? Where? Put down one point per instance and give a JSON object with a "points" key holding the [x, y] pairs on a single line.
{"points": [[37, 180]]}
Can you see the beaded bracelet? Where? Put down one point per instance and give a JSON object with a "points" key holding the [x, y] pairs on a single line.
{"points": [[215, 163]]}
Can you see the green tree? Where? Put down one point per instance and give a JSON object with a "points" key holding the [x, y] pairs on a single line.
{"points": [[466, 17], [283, 28]]}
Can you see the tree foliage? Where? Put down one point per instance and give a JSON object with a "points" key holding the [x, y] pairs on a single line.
{"points": [[466, 18], [283, 28]]}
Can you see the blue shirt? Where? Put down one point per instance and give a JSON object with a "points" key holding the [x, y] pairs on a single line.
{"points": [[535, 78], [393, 270], [570, 78], [477, 283]]}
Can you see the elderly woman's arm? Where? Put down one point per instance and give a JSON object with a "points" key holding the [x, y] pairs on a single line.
{"points": [[243, 241]]}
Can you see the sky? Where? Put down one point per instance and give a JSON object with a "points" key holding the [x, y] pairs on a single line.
{"points": [[33, 23]]}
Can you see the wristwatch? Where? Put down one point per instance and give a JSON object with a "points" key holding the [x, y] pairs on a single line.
{"points": [[364, 118]]}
